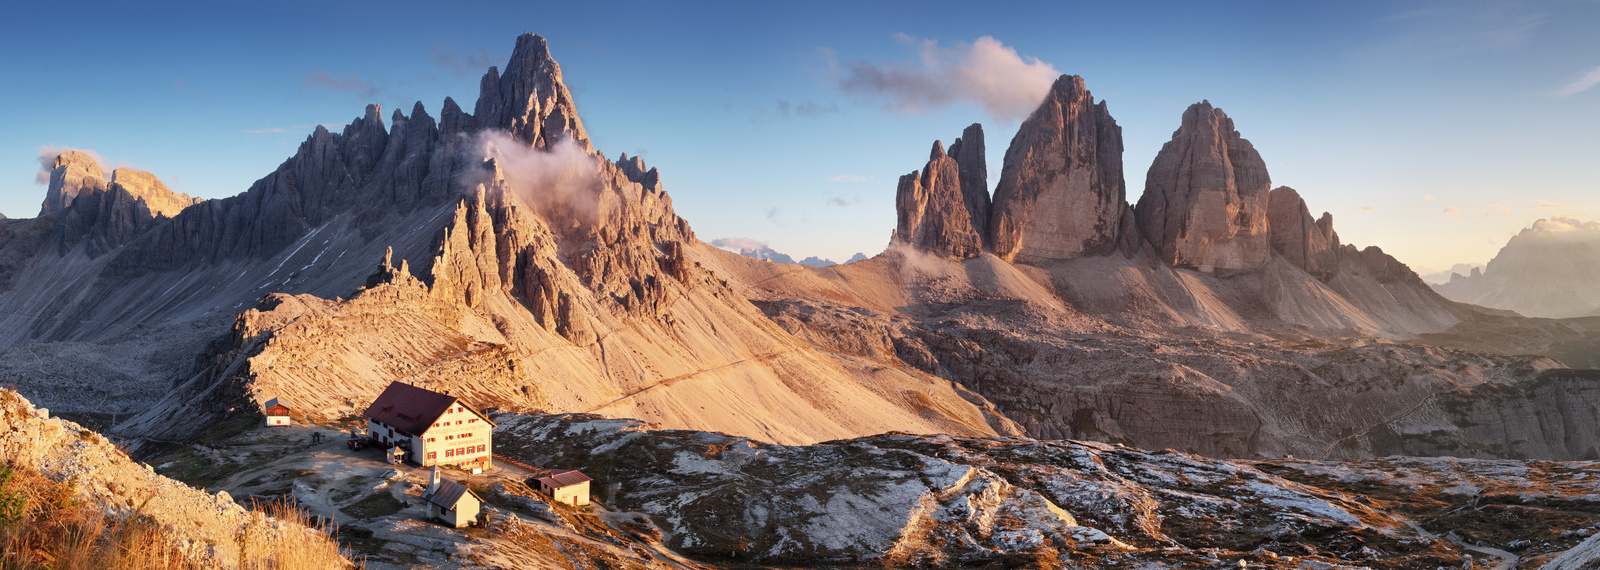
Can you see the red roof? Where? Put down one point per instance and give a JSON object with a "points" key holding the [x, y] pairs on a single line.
{"points": [[561, 479], [408, 408]]}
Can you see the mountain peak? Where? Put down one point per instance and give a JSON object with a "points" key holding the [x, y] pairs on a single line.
{"points": [[73, 173], [1061, 193], [529, 100], [1205, 197]]}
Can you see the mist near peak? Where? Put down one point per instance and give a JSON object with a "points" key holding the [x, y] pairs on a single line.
{"points": [[562, 180]]}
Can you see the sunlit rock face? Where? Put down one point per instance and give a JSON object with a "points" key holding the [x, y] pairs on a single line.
{"points": [[933, 214], [1205, 199], [1309, 244], [1061, 193]]}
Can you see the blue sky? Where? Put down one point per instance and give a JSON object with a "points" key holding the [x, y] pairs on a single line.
{"points": [[1432, 129]]}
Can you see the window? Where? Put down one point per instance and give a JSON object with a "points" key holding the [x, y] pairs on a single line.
{"points": [[449, 453], [472, 421], [433, 455], [449, 437], [480, 448], [461, 451], [431, 439]]}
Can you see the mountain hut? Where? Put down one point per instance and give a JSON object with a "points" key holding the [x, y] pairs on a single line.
{"points": [[277, 413], [570, 487], [432, 428]]}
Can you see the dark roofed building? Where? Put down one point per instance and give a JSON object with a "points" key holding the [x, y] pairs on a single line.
{"points": [[570, 487], [451, 502], [433, 428]]}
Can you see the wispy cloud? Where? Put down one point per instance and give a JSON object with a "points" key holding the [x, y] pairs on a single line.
{"points": [[739, 243], [772, 213], [291, 129], [1428, 197], [47, 161], [1444, 27], [1368, 209], [806, 108], [848, 178], [464, 63], [1452, 212], [1581, 84], [343, 83], [986, 73]]}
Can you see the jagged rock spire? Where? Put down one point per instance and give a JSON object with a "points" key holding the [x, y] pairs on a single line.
{"points": [[969, 154], [1061, 193], [1309, 244], [1205, 197], [529, 100], [933, 214]]}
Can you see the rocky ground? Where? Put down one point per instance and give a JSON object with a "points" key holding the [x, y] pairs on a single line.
{"points": [[212, 529], [899, 500]]}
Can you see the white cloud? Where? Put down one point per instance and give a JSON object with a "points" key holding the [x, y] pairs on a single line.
{"points": [[1581, 84], [1452, 212], [985, 72], [47, 161], [739, 243]]}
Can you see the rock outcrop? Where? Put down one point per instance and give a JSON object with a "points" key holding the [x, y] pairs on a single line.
{"points": [[908, 501], [74, 172], [1205, 198], [1061, 193], [1309, 244], [530, 100], [934, 215], [973, 162]]}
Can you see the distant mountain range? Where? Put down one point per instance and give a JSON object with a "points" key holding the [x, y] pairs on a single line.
{"points": [[1549, 269], [757, 250]]}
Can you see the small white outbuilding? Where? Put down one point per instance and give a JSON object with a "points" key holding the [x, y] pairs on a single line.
{"points": [[277, 413], [451, 502]]}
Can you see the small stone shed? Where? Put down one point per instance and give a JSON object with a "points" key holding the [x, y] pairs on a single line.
{"points": [[277, 413], [569, 487]]}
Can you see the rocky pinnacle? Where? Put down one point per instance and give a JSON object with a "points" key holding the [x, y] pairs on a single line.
{"points": [[933, 213], [1061, 193], [1205, 198]]}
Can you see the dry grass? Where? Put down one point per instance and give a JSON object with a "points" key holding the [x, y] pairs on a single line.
{"points": [[262, 549], [44, 526]]}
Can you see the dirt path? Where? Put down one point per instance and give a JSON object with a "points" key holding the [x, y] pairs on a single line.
{"points": [[681, 377], [1508, 561]]}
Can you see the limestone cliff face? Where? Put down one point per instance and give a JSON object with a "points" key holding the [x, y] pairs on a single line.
{"points": [[1061, 193], [974, 166], [105, 215], [1309, 244], [530, 100], [934, 213], [74, 172], [1205, 199]]}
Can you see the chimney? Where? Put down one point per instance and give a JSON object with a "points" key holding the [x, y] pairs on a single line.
{"points": [[433, 482]]}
